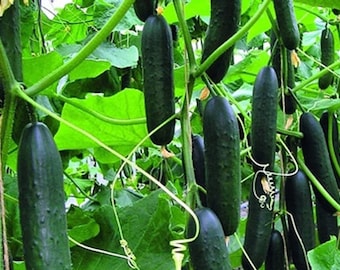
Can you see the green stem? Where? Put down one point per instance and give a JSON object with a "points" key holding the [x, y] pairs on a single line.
{"points": [[317, 184], [83, 53], [73, 102], [315, 76], [178, 4], [232, 40], [296, 134]]}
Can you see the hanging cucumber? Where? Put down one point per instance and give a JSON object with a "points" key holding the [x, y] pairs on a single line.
{"points": [[199, 165], [157, 59], [275, 259], [327, 56], [41, 201], [287, 23], [144, 8], [263, 142], [316, 156], [222, 159], [224, 21], [317, 159], [209, 250], [335, 139], [301, 224]]}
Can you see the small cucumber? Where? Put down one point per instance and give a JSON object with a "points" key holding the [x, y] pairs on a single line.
{"points": [[300, 219], [327, 56], [287, 23], [327, 223], [157, 59], [275, 259], [42, 201], [209, 250], [222, 160], [199, 165], [224, 21]]}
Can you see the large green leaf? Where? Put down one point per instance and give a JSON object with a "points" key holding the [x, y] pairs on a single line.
{"points": [[36, 67], [145, 226], [89, 68], [325, 256], [125, 105]]}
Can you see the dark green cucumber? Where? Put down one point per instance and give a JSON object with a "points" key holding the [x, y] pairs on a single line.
{"points": [[327, 223], [263, 143], [224, 20], [264, 114], [316, 156], [41, 201], [209, 250], [222, 160], [199, 165], [327, 56], [287, 23], [275, 259], [300, 219], [144, 8], [335, 139], [317, 159], [157, 58]]}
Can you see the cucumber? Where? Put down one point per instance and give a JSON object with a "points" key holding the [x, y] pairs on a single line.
{"points": [[327, 56], [287, 23], [263, 143], [299, 206], [144, 8], [199, 165], [222, 162], [264, 114], [157, 59], [41, 200], [315, 152], [335, 139], [275, 259], [224, 21], [209, 250], [316, 156]]}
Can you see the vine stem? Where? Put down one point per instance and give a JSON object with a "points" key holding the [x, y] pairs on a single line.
{"points": [[232, 40], [185, 115], [318, 185], [83, 53]]}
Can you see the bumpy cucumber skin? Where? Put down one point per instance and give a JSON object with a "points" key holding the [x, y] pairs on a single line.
{"points": [[287, 23], [263, 142], [157, 59], [299, 205], [224, 21], [222, 162], [208, 251], [275, 259], [199, 164], [264, 115], [317, 159], [144, 8], [335, 139], [41, 201], [327, 56]]}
